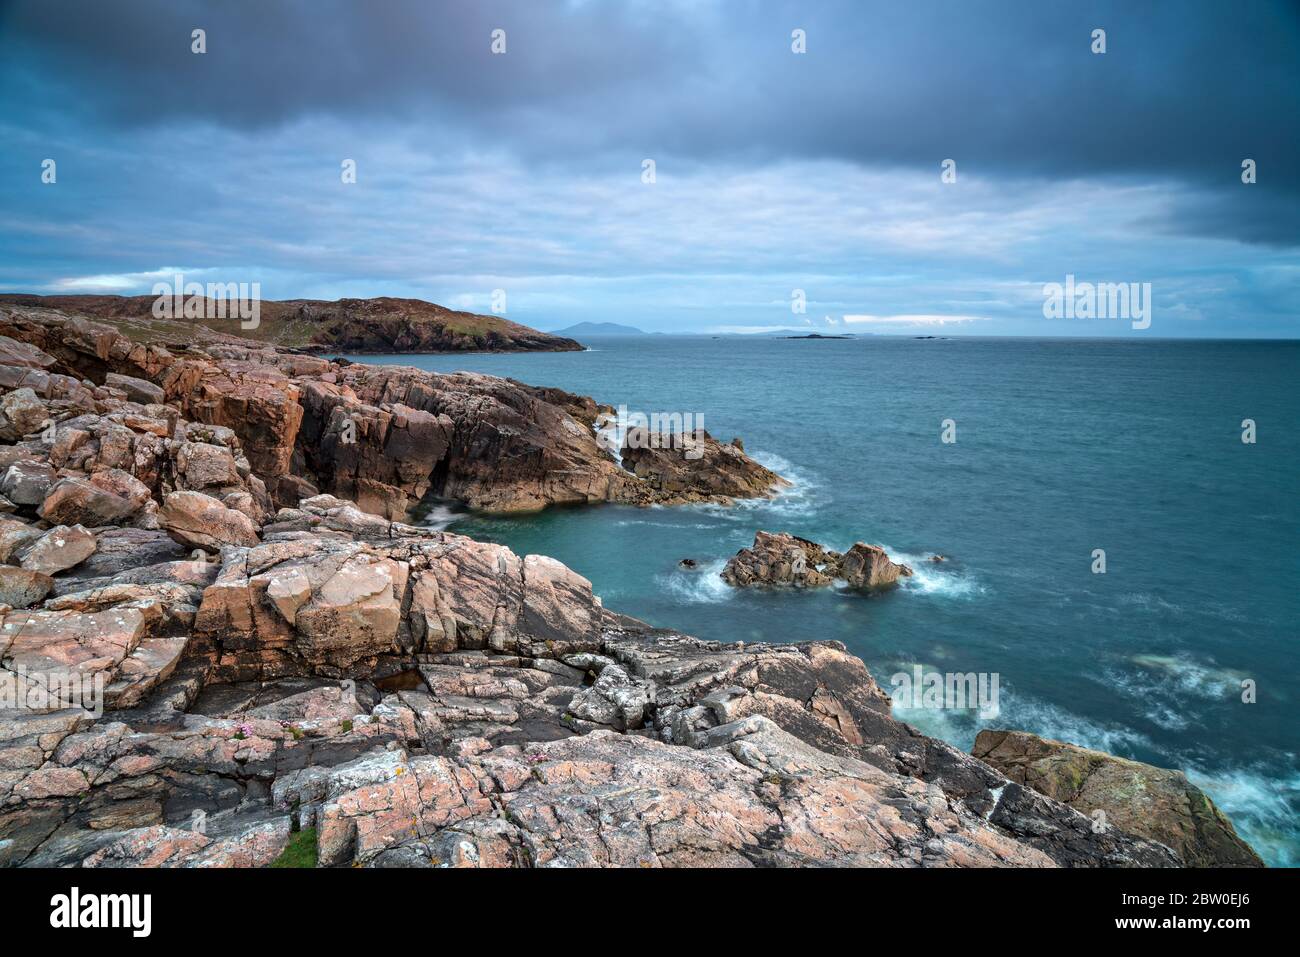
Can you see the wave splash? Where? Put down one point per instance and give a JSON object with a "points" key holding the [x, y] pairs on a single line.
{"points": [[698, 586]]}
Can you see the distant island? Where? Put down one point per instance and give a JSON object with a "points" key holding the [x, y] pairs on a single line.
{"points": [[816, 335], [380, 325], [600, 329]]}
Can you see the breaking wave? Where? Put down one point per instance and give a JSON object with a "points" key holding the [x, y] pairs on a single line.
{"points": [[440, 517], [699, 586], [1263, 807], [935, 578]]}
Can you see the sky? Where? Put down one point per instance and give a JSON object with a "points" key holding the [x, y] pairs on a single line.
{"points": [[774, 170]]}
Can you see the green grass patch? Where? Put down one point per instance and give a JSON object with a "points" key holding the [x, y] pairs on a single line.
{"points": [[301, 851]]}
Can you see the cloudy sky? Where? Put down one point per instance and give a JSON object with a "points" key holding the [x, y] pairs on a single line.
{"points": [[774, 170]]}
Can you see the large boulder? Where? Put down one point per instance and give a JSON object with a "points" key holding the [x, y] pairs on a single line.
{"points": [[560, 613], [14, 536], [1154, 803], [27, 482], [867, 566], [353, 613], [137, 390], [201, 521], [110, 497], [57, 550], [114, 653], [122, 549], [313, 606], [23, 355], [22, 587], [201, 465], [614, 699], [21, 413]]}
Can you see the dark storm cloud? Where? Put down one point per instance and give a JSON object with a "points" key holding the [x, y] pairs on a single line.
{"points": [[270, 62], [776, 172], [1186, 89]]}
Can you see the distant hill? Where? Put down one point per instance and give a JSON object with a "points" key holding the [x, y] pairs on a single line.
{"points": [[380, 325], [599, 329]]}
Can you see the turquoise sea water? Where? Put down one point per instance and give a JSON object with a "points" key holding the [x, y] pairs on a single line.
{"points": [[1063, 447]]}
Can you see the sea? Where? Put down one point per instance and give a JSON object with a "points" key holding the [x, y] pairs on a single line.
{"points": [[1124, 563]]}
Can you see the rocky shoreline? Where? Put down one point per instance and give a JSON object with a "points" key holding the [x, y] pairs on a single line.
{"points": [[217, 534]]}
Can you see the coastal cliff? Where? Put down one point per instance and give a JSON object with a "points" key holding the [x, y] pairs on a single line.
{"points": [[280, 666], [386, 437], [382, 325]]}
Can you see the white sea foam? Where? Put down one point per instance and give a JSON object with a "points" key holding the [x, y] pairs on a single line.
{"points": [[957, 726], [608, 437], [1168, 688], [801, 498], [1262, 805], [440, 517], [960, 726], [1024, 713], [1148, 602], [635, 522], [1182, 672], [935, 578], [702, 585], [1027, 713]]}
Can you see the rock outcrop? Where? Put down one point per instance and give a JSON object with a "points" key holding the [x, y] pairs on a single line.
{"points": [[778, 558], [386, 437], [1153, 803], [696, 467]]}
